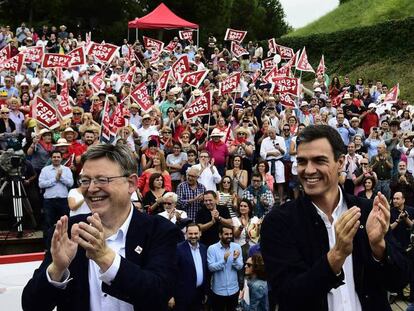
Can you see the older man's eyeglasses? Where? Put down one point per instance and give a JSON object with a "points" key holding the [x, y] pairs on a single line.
{"points": [[99, 181]]}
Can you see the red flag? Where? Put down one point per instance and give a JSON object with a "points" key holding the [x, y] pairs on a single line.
{"points": [[272, 74], [54, 60], [186, 34], [235, 35], [155, 57], [392, 96], [303, 63], [272, 45], [34, 54], [59, 76], [287, 100], [141, 97], [131, 54], [162, 82], [97, 81], [199, 107], [256, 76], [237, 49], [63, 108], [78, 56], [45, 113], [285, 70], [285, 85], [285, 52], [231, 83], [321, 67], [5, 53], [195, 78], [268, 63], [13, 64], [171, 46], [103, 52], [69, 161], [153, 44], [337, 100], [129, 77], [106, 125], [88, 39], [118, 119], [180, 67]]}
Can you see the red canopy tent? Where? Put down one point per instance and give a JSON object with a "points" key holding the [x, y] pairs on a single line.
{"points": [[161, 18]]}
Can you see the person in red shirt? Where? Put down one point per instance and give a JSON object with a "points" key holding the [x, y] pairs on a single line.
{"points": [[218, 150], [369, 119]]}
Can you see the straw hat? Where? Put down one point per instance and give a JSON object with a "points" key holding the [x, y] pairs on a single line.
{"points": [[61, 143]]}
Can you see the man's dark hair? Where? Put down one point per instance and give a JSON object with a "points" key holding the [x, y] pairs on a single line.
{"points": [[221, 228], [55, 151], [314, 132], [88, 132], [258, 175], [213, 193], [192, 151], [193, 224]]}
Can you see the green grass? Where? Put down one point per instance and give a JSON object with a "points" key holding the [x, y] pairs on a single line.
{"points": [[357, 13]]}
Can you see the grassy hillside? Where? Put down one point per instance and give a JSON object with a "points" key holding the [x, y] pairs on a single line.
{"points": [[357, 13]]}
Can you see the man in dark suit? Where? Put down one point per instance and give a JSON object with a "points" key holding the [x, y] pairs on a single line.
{"points": [[330, 250], [115, 259], [192, 278]]}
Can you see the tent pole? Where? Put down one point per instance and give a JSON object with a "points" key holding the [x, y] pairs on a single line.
{"points": [[198, 37], [136, 34], [128, 35]]}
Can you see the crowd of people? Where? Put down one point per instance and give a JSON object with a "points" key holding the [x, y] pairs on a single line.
{"points": [[214, 177]]}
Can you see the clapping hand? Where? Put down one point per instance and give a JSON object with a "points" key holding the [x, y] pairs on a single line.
{"points": [[377, 225]]}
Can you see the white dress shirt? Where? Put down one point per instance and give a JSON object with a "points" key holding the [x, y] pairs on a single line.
{"points": [[268, 145], [208, 178], [344, 297]]}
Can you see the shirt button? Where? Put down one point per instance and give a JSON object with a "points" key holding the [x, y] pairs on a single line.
{"points": [[105, 295]]}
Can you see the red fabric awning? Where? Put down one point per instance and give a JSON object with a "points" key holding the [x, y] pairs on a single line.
{"points": [[161, 18]]}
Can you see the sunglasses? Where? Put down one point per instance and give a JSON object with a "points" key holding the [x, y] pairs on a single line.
{"points": [[249, 265]]}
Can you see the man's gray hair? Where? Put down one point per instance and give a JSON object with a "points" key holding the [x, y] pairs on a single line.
{"points": [[119, 154], [172, 195]]}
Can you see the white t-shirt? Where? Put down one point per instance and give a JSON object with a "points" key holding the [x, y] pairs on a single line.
{"points": [[84, 208], [174, 160]]}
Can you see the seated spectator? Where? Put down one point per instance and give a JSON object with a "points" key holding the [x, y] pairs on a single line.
{"points": [[259, 195], [153, 199]]}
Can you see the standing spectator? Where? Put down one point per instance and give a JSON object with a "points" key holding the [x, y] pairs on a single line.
{"points": [[238, 175], [158, 166], [190, 193], [192, 278], [260, 195], [218, 151], [373, 141], [272, 150], [351, 164], [176, 216], [76, 202], [40, 148], [224, 260], [7, 127], [210, 217], [175, 162], [209, 175], [153, 200], [22, 33], [256, 285], [403, 182], [9, 90], [369, 188], [369, 119], [344, 129], [382, 166], [56, 180]]}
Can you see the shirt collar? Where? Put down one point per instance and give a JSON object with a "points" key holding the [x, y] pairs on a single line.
{"points": [[194, 248], [337, 212], [122, 231]]}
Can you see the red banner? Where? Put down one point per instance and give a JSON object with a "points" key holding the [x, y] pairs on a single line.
{"points": [[231, 83], [118, 119], [153, 44], [235, 35], [78, 56], [337, 100], [103, 52], [185, 34], [129, 77], [287, 100], [195, 78], [271, 75], [321, 67], [97, 81], [285, 85], [392, 96], [63, 108], [34, 54], [106, 125], [238, 50], [199, 107], [268, 63], [5, 53], [271, 43], [162, 82], [303, 63], [171, 46], [13, 64], [54, 60], [256, 76], [285, 52], [141, 97], [285, 71], [45, 113], [180, 68]]}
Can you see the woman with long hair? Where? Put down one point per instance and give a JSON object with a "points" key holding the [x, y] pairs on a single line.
{"points": [[369, 186], [227, 197], [239, 175], [334, 87], [153, 199], [263, 169], [246, 227], [256, 285], [7, 127], [158, 166]]}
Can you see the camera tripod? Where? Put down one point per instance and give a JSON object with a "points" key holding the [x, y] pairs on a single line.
{"points": [[20, 200]]}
